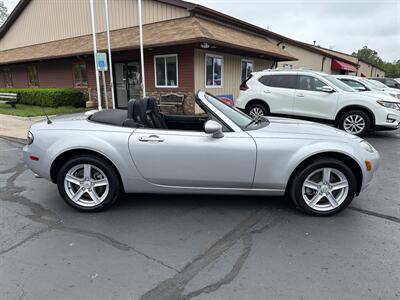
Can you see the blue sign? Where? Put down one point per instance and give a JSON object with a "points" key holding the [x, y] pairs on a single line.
{"points": [[101, 58]]}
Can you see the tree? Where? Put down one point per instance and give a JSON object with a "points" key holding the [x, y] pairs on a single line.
{"points": [[392, 69], [369, 55], [3, 13]]}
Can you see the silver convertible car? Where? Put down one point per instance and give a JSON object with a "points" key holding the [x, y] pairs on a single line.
{"points": [[95, 158]]}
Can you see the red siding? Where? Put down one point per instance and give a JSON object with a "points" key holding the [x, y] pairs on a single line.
{"points": [[58, 73], [185, 68]]}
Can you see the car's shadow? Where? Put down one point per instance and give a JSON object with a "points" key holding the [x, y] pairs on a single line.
{"points": [[189, 201], [393, 134]]}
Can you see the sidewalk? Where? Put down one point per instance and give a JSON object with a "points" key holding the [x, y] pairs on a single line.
{"points": [[16, 127]]}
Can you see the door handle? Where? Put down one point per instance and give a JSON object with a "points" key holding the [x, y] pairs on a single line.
{"points": [[151, 139], [299, 95]]}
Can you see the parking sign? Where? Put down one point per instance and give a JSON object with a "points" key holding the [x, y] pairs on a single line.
{"points": [[102, 61]]}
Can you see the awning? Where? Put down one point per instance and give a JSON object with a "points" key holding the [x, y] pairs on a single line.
{"points": [[341, 65]]}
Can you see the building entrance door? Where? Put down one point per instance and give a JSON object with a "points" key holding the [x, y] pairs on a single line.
{"points": [[127, 82]]}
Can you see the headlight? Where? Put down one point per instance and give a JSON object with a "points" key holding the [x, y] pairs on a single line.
{"points": [[392, 105], [29, 138], [367, 146], [397, 96]]}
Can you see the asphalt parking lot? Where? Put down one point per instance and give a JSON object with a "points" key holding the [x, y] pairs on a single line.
{"points": [[198, 247]]}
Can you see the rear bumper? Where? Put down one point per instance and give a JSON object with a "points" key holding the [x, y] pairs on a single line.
{"points": [[38, 167]]}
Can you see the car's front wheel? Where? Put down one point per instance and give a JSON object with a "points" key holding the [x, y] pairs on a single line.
{"points": [[355, 122], [323, 187], [88, 183]]}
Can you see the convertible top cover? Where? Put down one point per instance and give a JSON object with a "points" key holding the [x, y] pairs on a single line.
{"points": [[110, 116]]}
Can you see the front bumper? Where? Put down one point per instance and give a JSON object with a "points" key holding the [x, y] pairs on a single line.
{"points": [[387, 119], [369, 175]]}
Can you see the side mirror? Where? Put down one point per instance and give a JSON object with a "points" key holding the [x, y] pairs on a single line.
{"points": [[361, 89], [327, 89], [214, 128]]}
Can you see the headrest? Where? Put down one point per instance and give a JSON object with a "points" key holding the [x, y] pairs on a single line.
{"points": [[131, 109]]}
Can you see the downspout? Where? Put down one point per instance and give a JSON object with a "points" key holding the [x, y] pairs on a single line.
{"points": [[323, 62]]}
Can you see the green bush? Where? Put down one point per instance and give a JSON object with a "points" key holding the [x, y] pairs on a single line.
{"points": [[51, 97]]}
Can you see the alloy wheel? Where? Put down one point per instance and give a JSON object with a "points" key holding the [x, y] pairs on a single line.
{"points": [[354, 124], [86, 185], [256, 112], [325, 189]]}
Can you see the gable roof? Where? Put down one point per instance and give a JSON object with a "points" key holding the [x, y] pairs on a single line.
{"points": [[203, 11]]}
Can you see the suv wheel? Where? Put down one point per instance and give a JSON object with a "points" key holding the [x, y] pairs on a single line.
{"points": [[355, 122], [324, 187], [88, 183], [257, 110]]}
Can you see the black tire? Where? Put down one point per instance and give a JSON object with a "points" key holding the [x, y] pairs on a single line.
{"points": [[260, 106], [114, 186], [356, 113], [296, 186]]}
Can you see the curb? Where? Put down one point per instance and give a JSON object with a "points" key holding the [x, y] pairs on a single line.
{"points": [[13, 139]]}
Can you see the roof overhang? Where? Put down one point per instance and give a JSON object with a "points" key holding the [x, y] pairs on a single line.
{"points": [[168, 33]]}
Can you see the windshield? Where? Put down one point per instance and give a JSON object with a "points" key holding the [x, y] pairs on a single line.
{"points": [[239, 118], [370, 85], [376, 84], [337, 83]]}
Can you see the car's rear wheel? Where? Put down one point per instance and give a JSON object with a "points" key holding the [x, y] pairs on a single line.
{"points": [[257, 110], [88, 183], [355, 122], [323, 187]]}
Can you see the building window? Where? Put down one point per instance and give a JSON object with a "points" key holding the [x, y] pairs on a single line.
{"points": [[7, 78], [33, 79], [214, 73], [80, 75], [247, 69], [166, 70], [287, 66]]}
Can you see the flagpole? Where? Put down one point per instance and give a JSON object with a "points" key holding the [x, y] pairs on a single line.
{"points": [[95, 54], [141, 46], [109, 54]]}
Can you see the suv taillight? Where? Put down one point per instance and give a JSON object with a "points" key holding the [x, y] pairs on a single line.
{"points": [[243, 86]]}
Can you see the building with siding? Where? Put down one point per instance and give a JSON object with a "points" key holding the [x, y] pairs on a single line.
{"points": [[366, 69], [187, 47]]}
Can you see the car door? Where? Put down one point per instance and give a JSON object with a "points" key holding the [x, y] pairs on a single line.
{"points": [[193, 158], [310, 101], [278, 91]]}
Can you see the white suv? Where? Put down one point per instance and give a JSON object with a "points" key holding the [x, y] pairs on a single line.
{"points": [[317, 96]]}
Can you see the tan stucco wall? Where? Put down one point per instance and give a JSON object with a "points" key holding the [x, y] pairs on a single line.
{"points": [[49, 20], [369, 70], [231, 74], [306, 58]]}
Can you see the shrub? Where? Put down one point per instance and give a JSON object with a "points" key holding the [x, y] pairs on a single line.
{"points": [[51, 97]]}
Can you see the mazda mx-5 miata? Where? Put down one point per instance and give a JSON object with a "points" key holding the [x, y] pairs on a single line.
{"points": [[95, 158]]}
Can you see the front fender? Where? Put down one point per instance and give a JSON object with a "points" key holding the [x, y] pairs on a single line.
{"points": [[308, 151]]}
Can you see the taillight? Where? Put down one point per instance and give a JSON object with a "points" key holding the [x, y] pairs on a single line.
{"points": [[227, 100], [243, 86]]}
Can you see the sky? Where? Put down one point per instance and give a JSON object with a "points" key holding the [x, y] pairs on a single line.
{"points": [[343, 25]]}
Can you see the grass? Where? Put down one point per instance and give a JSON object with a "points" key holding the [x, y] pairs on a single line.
{"points": [[24, 110]]}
